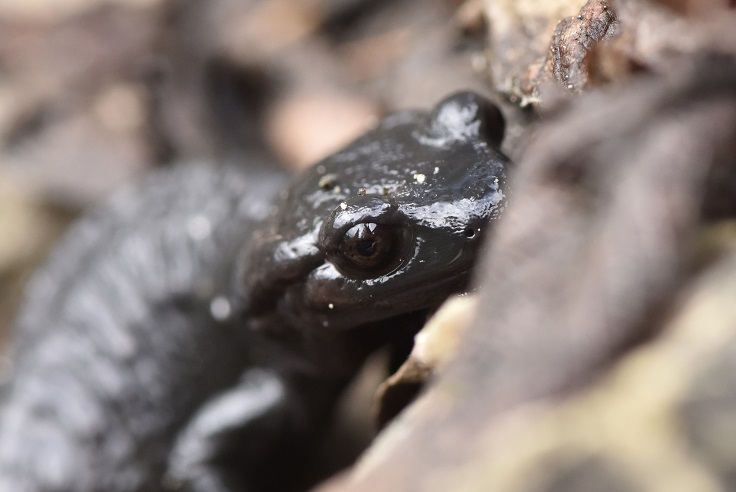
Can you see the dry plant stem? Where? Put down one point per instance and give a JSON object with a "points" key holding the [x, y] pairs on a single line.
{"points": [[574, 38], [535, 43]]}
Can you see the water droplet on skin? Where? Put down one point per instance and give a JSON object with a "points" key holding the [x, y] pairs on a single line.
{"points": [[199, 227], [436, 170], [331, 306], [257, 211], [220, 308], [343, 206], [420, 178]]}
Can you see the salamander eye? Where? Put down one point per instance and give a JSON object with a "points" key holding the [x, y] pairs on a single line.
{"points": [[368, 247]]}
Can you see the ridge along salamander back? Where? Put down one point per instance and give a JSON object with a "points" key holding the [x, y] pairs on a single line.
{"points": [[188, 335]]}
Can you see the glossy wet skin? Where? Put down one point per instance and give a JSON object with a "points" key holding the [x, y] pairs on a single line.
{"points": [[130, 376], [389, 225]]}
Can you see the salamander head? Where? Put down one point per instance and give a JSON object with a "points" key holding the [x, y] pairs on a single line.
{"points": [[389, 225]]}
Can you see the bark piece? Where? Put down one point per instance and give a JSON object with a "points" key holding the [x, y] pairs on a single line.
{"points": [[434, 347]]}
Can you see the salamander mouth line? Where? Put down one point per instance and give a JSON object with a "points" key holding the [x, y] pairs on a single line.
{"points": [[406, 301]]}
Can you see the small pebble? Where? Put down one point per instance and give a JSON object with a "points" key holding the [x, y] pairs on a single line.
{"points": [[327, 181]]}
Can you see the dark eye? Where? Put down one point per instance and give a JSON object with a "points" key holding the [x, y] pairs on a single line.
{"points": [[368, 247]]}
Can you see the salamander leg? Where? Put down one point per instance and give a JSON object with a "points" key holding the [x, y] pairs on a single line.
{"points": [[238, 438]]}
